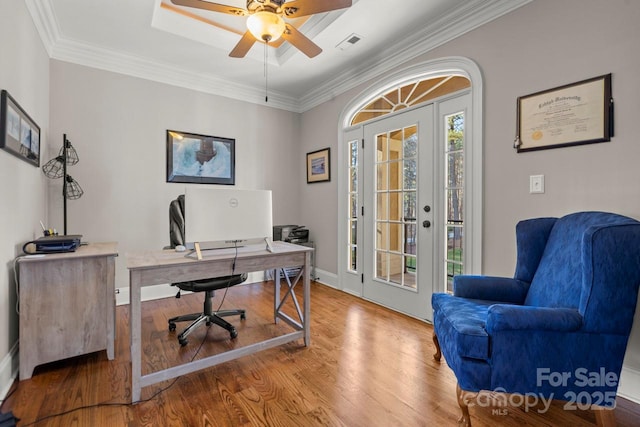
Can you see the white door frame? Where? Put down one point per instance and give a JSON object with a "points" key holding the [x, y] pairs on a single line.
{"points": [[473, 155]]}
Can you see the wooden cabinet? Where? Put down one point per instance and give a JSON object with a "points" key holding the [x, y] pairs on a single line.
{"points": [[67, 305]]}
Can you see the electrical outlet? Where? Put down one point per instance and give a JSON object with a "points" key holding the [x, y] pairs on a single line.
{"points": [[536, 184]]}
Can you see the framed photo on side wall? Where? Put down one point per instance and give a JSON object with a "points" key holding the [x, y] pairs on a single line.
{"points": [[200, 159], [19, 134], [319, 166]]}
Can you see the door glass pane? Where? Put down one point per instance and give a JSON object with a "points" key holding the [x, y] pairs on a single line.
{"points": [[382, 235], [353, 195], [395, 237], [396, 231], [395, 206], [382, 206], [409, 205], [382, 176], [354, 205], [395, 176], [396, 268], [381, 265], [454, 191], [382, 151], [354, 232], [410, 174], [411, 142]]}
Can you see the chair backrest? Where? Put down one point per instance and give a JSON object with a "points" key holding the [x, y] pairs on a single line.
{"points": [[591, 262], [176, 221]]}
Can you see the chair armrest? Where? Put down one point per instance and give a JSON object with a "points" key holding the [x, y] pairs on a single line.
{"points": [[522, 317], [503, 289]]}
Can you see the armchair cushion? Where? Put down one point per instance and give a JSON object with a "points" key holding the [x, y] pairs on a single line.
{"points": [[465, 320], [502, 289], [501, 317]]}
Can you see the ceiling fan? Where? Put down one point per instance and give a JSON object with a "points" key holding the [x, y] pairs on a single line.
{"points": [[266, 22]]}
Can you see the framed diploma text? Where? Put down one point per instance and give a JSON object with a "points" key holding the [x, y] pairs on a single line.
{"points": [[575, 114]]}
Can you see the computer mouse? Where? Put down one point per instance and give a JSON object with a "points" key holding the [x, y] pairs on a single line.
{"points": [[180, 248]]}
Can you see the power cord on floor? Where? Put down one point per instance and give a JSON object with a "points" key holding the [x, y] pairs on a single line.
{"points": [[108, 404]]}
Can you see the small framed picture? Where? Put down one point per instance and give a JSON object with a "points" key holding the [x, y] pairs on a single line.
{"points": [[319, 166], [200, 159], [19, 134]]}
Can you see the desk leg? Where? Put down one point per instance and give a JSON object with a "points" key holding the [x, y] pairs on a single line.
{"points": [[276, 293], [111, 307], [307, 300], [135, 321]]}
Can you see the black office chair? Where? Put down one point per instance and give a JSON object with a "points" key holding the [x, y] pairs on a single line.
{"points": [[208, 286]]}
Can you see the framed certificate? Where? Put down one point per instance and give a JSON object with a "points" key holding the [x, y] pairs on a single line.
{"points": [[575, 114]]}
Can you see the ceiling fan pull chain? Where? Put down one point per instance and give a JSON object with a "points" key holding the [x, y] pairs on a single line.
{"points": [[266, 71]]}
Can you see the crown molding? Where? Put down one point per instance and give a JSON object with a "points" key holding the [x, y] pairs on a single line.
{"points": [[445, 29], [448, 27], [118, 62], [45, 21]]}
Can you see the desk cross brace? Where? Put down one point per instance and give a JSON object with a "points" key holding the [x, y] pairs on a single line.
{"points": [[290, 293]]}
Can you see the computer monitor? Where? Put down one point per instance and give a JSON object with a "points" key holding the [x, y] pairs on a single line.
{"points": [[223, 218]]}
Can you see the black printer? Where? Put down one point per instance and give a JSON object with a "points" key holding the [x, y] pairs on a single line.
{"points": [[291, 233]]}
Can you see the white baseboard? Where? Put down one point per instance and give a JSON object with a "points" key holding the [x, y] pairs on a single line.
{"points": [[629, 386], [326, 278], [8, 371]]}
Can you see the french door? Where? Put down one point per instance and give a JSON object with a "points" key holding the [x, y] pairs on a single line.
{"points": [[397, 242]]}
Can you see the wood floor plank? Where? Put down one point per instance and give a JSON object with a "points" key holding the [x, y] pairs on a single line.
{"points": [[367, 366]]}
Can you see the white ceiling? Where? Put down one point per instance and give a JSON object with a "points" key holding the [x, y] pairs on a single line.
{"points": [[141, 38]]}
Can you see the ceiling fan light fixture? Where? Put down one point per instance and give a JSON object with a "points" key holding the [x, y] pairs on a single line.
{"points": [[266, 26]]}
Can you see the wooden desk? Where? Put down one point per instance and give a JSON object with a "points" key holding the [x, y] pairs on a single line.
{"points": [[67, 305], [168, 266]]}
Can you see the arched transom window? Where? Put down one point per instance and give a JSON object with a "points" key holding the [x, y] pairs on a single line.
{"points": [[410, 95]]}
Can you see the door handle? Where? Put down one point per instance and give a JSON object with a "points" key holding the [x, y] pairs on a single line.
{"points": [[426, 223], [427, 208]]}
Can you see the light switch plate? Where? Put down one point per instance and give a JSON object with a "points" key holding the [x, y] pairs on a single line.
{"points": [[536, 184]]}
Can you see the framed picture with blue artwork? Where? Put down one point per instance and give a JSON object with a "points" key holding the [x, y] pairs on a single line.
{"points": [[200, 159], [318, 166], [19, 134]]}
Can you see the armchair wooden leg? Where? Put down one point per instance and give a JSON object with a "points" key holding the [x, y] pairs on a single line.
{"points": [[463, 399], [438, 354], [604, 416]]}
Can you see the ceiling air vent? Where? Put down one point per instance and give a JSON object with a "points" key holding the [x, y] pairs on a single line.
{"points": [[349, 41]]}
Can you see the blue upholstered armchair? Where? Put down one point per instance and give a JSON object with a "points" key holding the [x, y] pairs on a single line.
{"points": [[559, 328]]}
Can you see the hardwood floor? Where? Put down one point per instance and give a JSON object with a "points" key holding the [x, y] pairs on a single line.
{"points": [[367, 366]]}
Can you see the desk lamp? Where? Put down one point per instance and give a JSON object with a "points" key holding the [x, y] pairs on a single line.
{"points": [[57, 168]]}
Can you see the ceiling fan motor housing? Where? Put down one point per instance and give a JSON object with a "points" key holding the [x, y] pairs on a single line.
{"points": [[266, 5]]}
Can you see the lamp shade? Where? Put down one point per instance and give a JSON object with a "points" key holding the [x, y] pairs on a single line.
{"points": [[266, 26]]}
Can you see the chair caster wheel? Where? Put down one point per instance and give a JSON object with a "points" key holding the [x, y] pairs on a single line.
{"points": [[182, 341], [172, 327], [243, 316], [233, 333]]}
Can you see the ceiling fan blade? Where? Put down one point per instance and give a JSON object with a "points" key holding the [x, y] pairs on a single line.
{"points": [[243, 46], [213, 7], [299, 40], [298, 8]]}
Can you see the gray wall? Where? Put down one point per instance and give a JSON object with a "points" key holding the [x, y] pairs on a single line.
{"points": [[24, 73], [544, 44], [118, 125]]}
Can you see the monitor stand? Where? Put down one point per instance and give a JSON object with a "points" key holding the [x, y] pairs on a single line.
{"points": [[269, 243]]}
